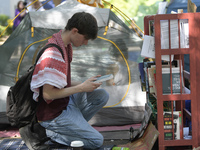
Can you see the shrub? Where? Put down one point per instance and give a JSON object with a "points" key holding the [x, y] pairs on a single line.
{"points": [[2, 28], [10, 27], [3, 20]]}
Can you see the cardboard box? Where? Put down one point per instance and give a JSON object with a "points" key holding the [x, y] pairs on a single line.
{"points": [[146, 142]]}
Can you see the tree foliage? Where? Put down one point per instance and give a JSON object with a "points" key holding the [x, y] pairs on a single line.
{"points": [[129, 7], [136, 9]]}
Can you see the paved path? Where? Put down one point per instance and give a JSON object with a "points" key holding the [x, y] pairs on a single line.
{"points": [[3, 39]]}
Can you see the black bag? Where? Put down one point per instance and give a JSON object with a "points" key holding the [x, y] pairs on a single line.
{"points": [[21, 108]]}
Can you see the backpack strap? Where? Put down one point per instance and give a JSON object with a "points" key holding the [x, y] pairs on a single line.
{"points": [[47, 46]]}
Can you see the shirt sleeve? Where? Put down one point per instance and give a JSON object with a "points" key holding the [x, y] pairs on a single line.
{"points": [[50, 69]]}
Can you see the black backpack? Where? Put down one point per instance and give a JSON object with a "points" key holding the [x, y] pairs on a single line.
{"points": [[21, 108]]}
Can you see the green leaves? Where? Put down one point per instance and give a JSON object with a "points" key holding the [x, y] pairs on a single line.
{"points": [[136, 9]]}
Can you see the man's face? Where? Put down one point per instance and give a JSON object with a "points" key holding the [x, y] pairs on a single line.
{"points": [[78, 39]]}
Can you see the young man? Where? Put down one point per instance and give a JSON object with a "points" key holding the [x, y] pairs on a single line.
{"points": [[67, 106]]}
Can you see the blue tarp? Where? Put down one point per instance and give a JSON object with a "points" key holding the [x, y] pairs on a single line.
{"points": [[50, 4], [181, 4]]}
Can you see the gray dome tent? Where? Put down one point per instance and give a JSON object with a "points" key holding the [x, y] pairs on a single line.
{"points": [[127, 101]]}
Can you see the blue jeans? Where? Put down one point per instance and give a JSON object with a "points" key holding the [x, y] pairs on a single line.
{"points": [[72, 124]]}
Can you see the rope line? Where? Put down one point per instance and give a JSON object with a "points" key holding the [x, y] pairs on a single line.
{"points": [[129, 73]]}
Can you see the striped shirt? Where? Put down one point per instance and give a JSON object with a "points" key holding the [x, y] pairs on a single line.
{"points": [[52, 69]]}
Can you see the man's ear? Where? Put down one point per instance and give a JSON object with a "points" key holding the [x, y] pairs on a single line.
{"points": [[74, 30]]}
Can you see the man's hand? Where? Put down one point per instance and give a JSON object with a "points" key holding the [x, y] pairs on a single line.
{"points": [[51, 92], [89, 85]]}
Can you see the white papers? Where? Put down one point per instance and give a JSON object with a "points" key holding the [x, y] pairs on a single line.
{"points": [[148, 49], [164, 33], [174, 34], [184, 33], [164, 25]]}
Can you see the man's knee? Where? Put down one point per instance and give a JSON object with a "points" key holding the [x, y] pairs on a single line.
{"points": [[104, 96], [97, 142]]}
